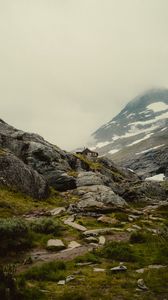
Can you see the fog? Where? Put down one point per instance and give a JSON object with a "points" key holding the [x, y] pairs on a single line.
{"points": [[68, 66]]}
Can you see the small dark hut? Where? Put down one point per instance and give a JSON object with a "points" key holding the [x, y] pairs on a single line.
{"points": [[89, 153]]}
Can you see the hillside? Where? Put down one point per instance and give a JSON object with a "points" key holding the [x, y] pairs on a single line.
{"points": [[73, 227]]}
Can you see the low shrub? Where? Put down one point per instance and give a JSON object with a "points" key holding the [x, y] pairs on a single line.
{"points": [[46, 225], [118, 251], [53, 271], [88, 257], [15, 235], [140, 237]]}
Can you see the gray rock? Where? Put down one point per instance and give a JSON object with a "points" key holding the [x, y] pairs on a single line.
{"points": [[75, 225], [95, 232], [107, 220], [141, 285], [15, 174], [98, 270], [95, 195], [47, 159], [88, 178], [91, 239], [55, 244], [73, 245], [57, 211], [120, 268], [61, 282], [102, 240], [69, 278]]}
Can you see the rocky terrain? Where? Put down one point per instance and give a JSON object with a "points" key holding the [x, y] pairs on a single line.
{"points": [[74, 228], [138, 136]]}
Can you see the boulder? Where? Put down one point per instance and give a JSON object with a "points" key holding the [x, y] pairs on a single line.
{"points": [[54, 244], [17, 175], [47, 159]]}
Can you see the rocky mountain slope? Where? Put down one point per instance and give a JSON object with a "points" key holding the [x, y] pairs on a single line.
{"points": [[138, 135], [32, 165], [74, 228]]}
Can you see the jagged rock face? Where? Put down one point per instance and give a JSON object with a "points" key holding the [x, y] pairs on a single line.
{"points": [[30, 164], [14, 173], [150, 163], [94, 195], [141, 127], [47, 159]]}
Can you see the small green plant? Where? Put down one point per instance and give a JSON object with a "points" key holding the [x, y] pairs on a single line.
{"points": [[139, 237], [88, 257], [45, 225], [118, 251], [15, 235], [53, 271]]}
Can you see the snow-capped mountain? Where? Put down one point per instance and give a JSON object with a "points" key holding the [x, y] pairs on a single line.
{"points": [[141, 127]]}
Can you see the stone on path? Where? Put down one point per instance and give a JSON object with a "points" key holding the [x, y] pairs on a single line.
{"points": [[75, 225], [136, 227], [73, 245], [61, 282], [95, 232], [107, 220], [102, 240], [98, 270], [57, 211], [54, 244], [91, 239], [69, 278], [140, 271]]}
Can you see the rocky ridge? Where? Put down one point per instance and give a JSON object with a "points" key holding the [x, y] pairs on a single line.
{"points": [[32, 165]]}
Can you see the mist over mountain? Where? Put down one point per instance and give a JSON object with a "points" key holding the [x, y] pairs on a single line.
{"points": [[141, 127]]}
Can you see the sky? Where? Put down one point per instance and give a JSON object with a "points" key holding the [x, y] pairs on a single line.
{"points": [[69, 66]]}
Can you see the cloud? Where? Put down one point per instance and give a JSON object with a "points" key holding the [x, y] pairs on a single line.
{"points": [[68, 66]]}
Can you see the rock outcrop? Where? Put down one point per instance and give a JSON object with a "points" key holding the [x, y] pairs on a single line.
{"points": [[17, 175], [31, 165]]}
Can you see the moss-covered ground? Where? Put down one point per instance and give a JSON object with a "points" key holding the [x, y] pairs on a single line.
{"points": [[145, 245]]}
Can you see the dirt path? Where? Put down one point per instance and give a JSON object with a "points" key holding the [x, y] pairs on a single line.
{"points": [[42, 256]]}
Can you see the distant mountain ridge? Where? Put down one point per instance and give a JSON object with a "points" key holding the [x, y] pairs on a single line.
{"points": [[141, 127]]}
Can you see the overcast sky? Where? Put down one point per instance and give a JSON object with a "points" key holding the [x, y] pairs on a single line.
{"points": [[68, 66]]}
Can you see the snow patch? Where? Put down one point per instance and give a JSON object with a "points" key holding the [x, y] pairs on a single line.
{"points": [[102, 144], [138, 141], [158, 106], [150, 149], [158, 177], [113, 151]]}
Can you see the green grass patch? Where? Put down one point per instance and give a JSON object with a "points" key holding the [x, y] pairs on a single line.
{"points": [[53, 271], [118, 251]]}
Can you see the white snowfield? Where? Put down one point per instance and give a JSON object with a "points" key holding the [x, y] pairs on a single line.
{"points": [[102, 144], [157, 106], [113, 151], [158, 177], [150, 149], [138, 141]]}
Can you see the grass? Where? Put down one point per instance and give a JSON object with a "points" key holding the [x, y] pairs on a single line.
{"points": [[46, 225], [92, 165], [118, 251], [53, 271], [13, 203]]}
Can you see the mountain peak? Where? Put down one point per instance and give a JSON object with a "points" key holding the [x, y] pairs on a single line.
{"points": [[141, 125]]}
